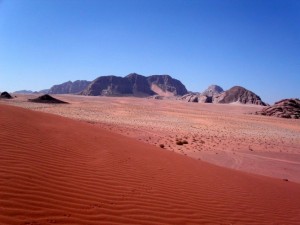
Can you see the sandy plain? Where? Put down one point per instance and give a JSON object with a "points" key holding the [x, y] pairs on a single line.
{"points": [[225, 135], [56, 170]]}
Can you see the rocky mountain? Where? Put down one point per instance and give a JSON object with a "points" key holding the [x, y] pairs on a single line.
{"points": [[23, 92], [286, 108], [240, 95], [140, 85], [108, 86], [165, 85], [44, 91], [212, 90], [136, 85], [69, 87]]}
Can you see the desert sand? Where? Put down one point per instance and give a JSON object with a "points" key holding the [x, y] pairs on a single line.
{"points": [[55, 170], [222, 134]]}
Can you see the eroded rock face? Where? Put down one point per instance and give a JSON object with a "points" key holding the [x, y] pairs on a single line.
{"points": [[240, 95], [136, 85], [167, 85], [109, 86], [69, 87], [139, 84], [212, 90], [286, 108], [206, 96]]}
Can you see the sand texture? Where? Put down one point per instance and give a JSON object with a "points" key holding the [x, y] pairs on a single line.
{"points": [[222, 134], [55, 170]]}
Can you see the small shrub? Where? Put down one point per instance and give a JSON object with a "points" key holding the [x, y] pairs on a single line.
{"points": [[179, 143]]}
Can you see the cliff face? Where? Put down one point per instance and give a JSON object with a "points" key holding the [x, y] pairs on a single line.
{"points": [[166, 85], [139, 84], [69, 87], [136, 85], [240, 95], [108, 85]]}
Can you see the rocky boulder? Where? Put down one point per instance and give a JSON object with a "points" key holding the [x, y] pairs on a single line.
{"points": [[286, 108]]}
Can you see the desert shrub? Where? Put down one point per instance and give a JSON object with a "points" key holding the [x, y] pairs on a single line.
{"points": [[179, 143]]}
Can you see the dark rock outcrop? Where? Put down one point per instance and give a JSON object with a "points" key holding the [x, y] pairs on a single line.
{"points": [[5, 95], [135, 85], [286, 108], [166, 85], [47, 99], [140, 85], [109, 86], [240, 95], [69, 87]]}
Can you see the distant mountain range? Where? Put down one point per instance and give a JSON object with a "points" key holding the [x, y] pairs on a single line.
{"points": [[142, 86], [69, 87]]}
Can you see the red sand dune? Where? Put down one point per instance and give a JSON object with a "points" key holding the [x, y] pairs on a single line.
{"points": [[54, 170]]}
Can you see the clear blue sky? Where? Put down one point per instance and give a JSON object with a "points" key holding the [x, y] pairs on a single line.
{"points": [[252, 43]]}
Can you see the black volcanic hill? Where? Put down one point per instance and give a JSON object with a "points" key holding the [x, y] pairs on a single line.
{"points": [[240, 95], [136, 85], [69, 87], [47, 99], [5, 95]]}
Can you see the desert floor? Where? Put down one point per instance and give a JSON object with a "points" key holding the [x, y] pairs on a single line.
{"points": [[225, 135], [55, 170]]}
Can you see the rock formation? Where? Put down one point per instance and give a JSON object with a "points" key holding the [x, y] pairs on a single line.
{"points": [[109, 86], [165, 85], [286, 108], [140, 85], [212, 90], [5, 95], [135, 85], [23, 92], [69, 87], [240, 95], [47, 99], [207, 96]]}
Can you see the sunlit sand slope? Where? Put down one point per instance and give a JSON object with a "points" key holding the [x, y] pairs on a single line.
{"points": [[54, 170]]}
